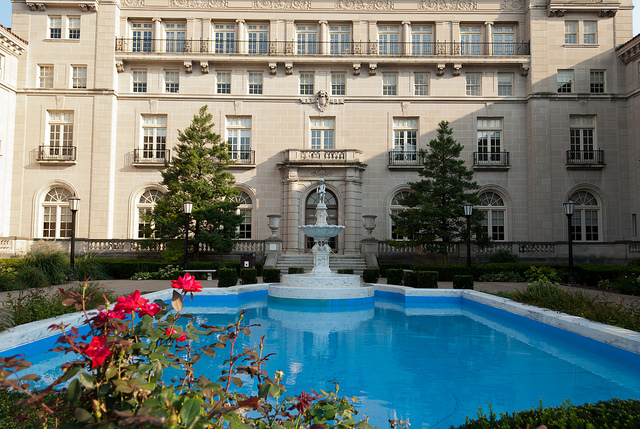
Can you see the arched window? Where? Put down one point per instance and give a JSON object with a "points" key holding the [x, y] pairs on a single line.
{"points": [[332, 215], [493, 208], [246, 210], [144, 208], [585, 220], [395, 209], [56, 214]]}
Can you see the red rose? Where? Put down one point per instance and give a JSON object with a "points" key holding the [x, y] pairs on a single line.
{"points": [[96, 351], [171, 331], [150, 309], [130, 303], [188, 283]]}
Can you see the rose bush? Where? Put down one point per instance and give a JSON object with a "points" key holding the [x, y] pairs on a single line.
{"points": [[118, 377]]}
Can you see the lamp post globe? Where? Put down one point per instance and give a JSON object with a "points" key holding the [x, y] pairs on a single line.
{"points": [[468, 211]]}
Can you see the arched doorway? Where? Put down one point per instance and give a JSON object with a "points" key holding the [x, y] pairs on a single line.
{"points": [[310, 216]]}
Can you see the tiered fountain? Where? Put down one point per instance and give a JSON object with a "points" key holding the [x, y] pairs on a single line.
{"points": [[321, 282]]}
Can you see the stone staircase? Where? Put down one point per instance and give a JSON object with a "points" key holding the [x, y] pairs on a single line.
{"points": [[336, 262]]}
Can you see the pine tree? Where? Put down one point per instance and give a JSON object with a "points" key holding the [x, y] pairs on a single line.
{"points": [[197, 172], [435, 215]]}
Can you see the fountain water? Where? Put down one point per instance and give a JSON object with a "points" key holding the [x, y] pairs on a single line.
{"points": [[321, 282]]}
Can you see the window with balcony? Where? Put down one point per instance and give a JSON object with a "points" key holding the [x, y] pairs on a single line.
{"points": [[322, 133], [493, 208], [306, 83], [339, 39], [239, 138], [171, 81], [225, 38], [78, 77], [142, 36], [59, 142], [586, 217], [389, 40], [45, 76], [503, 40], [55, 27], [144, 208], [505, 84], [389, 84], [139, 78], [421, 40], [154, 140], [570, 32], [421, 83], [470, 40], [583, 149], [56, 215], [490, 152], [338, 83], [245, 209], [258, 39], [565, 81], [307, 39], [73, 24], [405, 142], [473, 81], [176, 35], [589, 33], [596, 81], [223, 82], [255, 82]]}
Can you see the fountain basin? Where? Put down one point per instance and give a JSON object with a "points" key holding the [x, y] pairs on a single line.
{"points": [[321, 232], [328, 286]]}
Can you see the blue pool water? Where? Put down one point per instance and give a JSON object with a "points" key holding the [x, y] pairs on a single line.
{"points": [[429, 363]]}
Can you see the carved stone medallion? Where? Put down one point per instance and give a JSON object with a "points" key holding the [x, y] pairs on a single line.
{"points": [[282, 4], [200, 4], [364, 4], [448, 5]]}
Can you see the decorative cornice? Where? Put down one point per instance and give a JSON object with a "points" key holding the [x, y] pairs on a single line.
{"points": [[133, 3], [199, 4], [512, 5], [448, 5], [365, 4], [88, 7], [37, 6], [12, 42], [282, 4]]}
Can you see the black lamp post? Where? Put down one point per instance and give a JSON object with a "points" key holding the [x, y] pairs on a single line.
{"points": [[568, 210], [74, 202], [188, 206], [468, 211]]}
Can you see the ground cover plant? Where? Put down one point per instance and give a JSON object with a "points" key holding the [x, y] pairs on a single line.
{"points": [[117, 378]]}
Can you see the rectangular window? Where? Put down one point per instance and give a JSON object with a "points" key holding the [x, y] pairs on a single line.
{"points": [[388, 40], [405, 140], [570, 32], [421, 40], [225, 35], [154, 137], [470, 40], [389, 84], [493, 224], [60, 140], [473, 81], [139, 80], [239, 138], [142, 36], [489, 140], [176, 35], [78, 76], [171, 81], [55, 27], [306, 37], [565, 81], [258, 39], [596, 81], [340, 40], [583, 139], [338, 83], [45, 76], [306, 83], [589, 34], [223, 82], [421, 84], [503, 39], [322, 132], [73, 23], [505, 84], [255, 83]]}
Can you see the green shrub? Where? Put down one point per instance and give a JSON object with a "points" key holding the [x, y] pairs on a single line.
{"points": [[260, 268], [271, 275], [395, 276], [248, 276], [89, 267], [385, 266], [50, 259], [371, 275], [427, 279], [542, 274], [296, 270], [227, 277], [591, 275], [410, 278], [165, 273], [445, 272], [8, 400], [463, 282], [503, 256], [31, 277], [501, 276], [7, 281], [345, 271]]}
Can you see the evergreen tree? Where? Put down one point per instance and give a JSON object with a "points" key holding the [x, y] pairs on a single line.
{"points": [[435, 216], [198, 172]]}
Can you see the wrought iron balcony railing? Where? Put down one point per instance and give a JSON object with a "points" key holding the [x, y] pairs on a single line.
{"points": [[56, 153], [490, 159], [405, 158], [295, 48], [243, 157], [585, 157], [151, 156]]}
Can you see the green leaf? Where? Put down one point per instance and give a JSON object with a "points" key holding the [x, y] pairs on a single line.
{"points": [[87, 380], [74, 391], [236, 381], [83, 415], [263, 390], [190, 411]]}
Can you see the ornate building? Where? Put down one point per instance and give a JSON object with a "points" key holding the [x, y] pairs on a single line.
{"points": [[348, 90]]}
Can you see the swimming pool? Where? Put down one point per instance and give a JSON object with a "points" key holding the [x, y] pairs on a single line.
{"points": [[430, 360]]}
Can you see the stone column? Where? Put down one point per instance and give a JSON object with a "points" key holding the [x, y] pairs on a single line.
{"points": [[324, 38], [406, 37], [352, 212], [241, 37], [291, 232], [489, 27], [158, 42]]}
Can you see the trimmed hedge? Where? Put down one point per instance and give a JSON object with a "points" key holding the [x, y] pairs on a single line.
{"points": [[427, 279], [227, 277], [395, 276], [296, 270], [463, 282], [271, 275], [410, 278], [248, 276], [371, 275], [345, 271]]}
